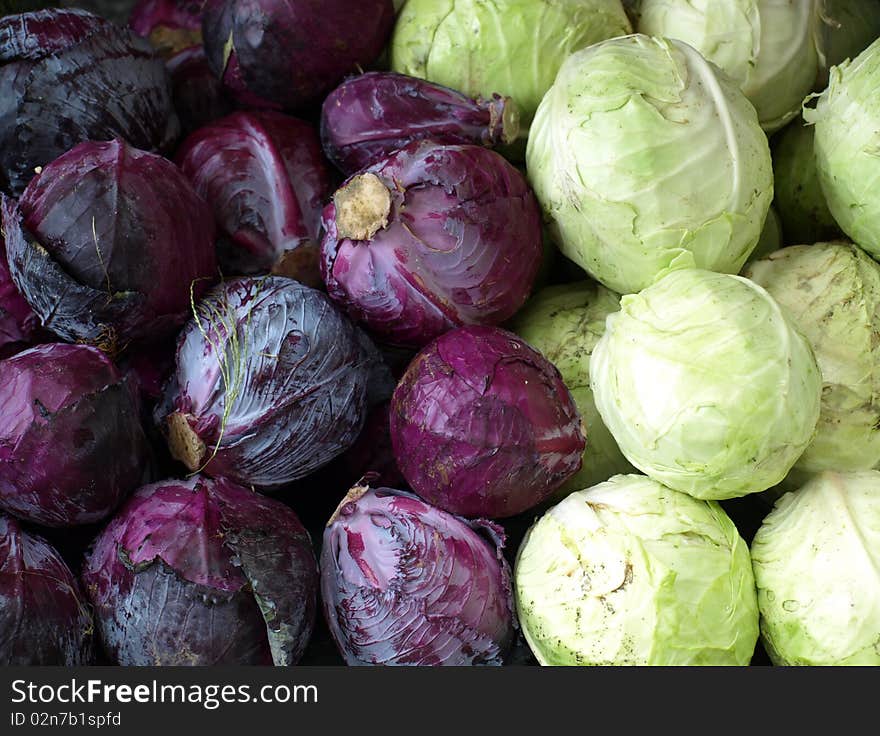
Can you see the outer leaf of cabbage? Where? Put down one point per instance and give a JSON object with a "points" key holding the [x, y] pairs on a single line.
{"points": [[631, 572], [643, 154], [564, 323], [816, 559], [847, 146], [831, 291], [769, 47], [706, 385]]}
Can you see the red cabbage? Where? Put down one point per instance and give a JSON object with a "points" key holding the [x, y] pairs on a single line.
{"points": [[404, 583], [44, 619], [266, 178], [482, 424], [67, 76], [71, 443], [203, 572], [18, 323], [198, 95], [170, 25], [368, 117], [107, 243], [289, 54], [271, 383], [434, 237]]}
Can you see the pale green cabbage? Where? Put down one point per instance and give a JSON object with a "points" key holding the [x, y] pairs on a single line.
{"points": [[798, 195], [564, 323], [816, 559], [847, 146], [508, 47], [630, 572], [831, 291], [706, 384], [769, 47], [642, 155]]}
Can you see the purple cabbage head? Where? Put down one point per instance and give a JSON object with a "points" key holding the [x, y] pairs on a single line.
{"points": [[433, 237], [44, 619], [482, 424], [71, 443], [270, 383], [266, 178], [108, 244], [170, 25], [405, 583], [198, 95], [18, 323], [202, 572], [289, 54], [67, 76], [368, 117]]}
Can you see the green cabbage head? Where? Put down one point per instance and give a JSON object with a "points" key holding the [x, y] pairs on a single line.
{"points": [[798, 195], [847, 146], [644, 155], [706, 384], [816, 559], [508, 47], [630, 572], [768, 47], [831, 292], [564, 323]]}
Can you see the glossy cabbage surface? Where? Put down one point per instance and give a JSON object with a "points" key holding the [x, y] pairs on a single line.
{"points": [[404, 583], [434, 237], [483, 426], [109, 244], [44, 619], [266, 179], [71, 443], [202, 572], [271, 382], [67, 76]]}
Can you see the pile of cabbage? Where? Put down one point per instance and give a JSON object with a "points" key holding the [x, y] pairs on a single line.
{"points": [[440, 333]]}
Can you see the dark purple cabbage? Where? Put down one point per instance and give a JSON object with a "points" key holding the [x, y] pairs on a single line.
{"points": [[107, 244], [368, 117], [18, 323], [267, 180], [433, 237], [482, 424], [44, 619], [289, 54], [71, 443], [271, 383], [170, 25], [405, 583], [67, 76], [203, 572], [198, 95]]}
